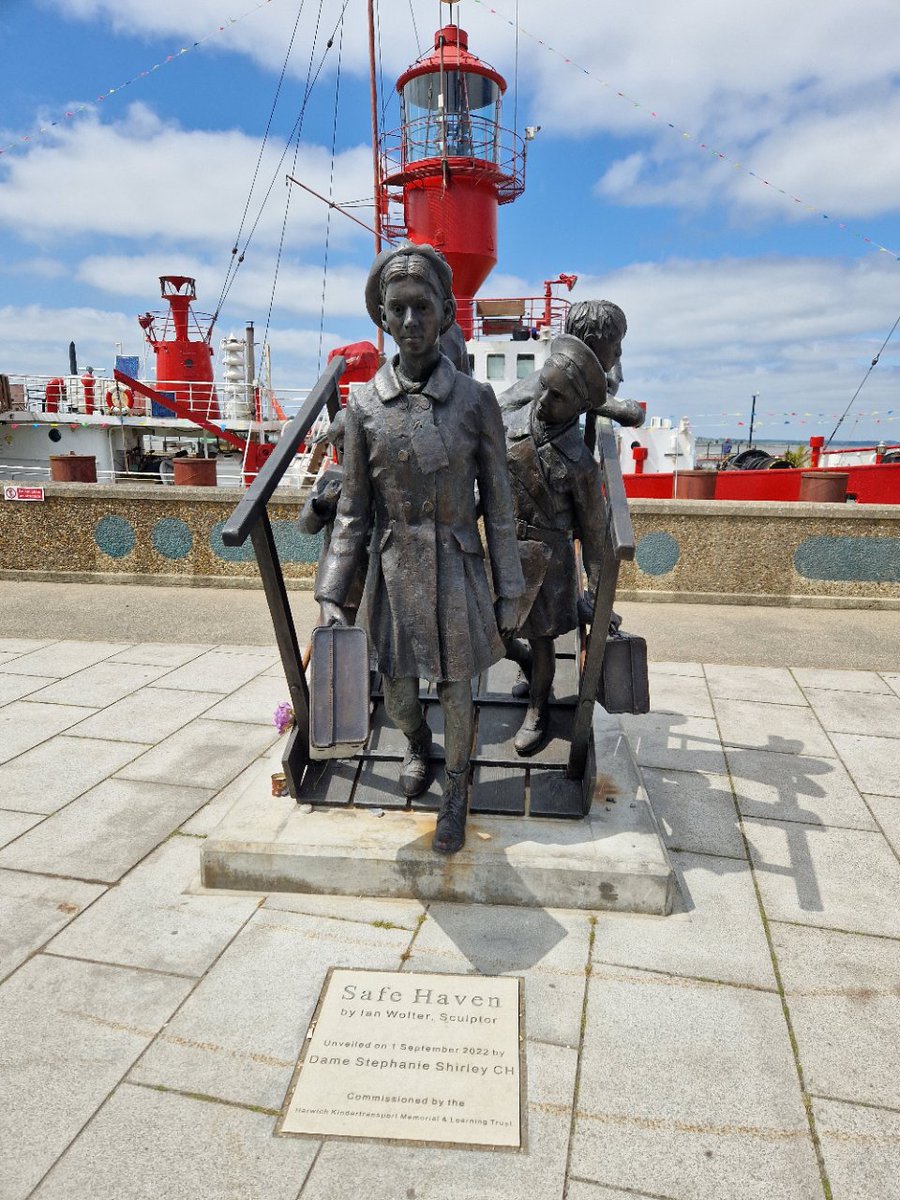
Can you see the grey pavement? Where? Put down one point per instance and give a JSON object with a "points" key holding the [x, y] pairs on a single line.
{"points": [[723, 634], [747, 1046]]}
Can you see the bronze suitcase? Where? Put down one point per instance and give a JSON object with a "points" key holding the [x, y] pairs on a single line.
{"points": [[624, 683], [338, 691]]}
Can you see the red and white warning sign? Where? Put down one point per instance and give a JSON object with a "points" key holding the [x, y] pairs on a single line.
{"points": [[13, 492]]}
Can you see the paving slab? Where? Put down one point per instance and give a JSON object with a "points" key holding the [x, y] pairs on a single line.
{"points": [[886, 810], [100, 685], [258, 773], [149, 715], [239, 1035], [695, 811], [12, 824], [689, 669], [841, 681], [148, 920], [782, 728], [843, 992], [715, 930], [580, 1190], [397, 914], [796, 787], [548, 948], [24, 724], [164, 654], [198, 1149], [62, 658], [103, 833], [59, 770], [69, 1031], [856, 712], [33, 908], [893, 681], [392, 1172], [14, 687], [20, 646], [871, 761], [255, 702], [690, 1089], [683, 694], [840, 878], [768, 685], [217, 671], [675, 742], [204, 754], [861, 1147]]}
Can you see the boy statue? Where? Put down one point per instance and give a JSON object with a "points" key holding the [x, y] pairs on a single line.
{"points": [[556, 488], [418, 438]]}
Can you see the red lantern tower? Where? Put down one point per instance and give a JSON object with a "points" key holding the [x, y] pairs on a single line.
{"points": [[451, 164], [184, 367]]}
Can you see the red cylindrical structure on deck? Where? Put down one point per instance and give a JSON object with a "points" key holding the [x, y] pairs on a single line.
{"points": [[54, 395], [88, 383], [184, 365], [451, 163], [639, 454]]}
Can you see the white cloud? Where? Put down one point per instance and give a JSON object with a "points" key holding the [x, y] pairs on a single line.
{"points": [[298, 291], [703, 336], [143, 178], [806, 93], [35, 341], [35, 338]]}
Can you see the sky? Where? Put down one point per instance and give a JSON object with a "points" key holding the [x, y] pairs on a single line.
{"points": [[646, 180]]}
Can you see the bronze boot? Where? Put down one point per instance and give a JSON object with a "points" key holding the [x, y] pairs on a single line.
{"points": [[534, 730], [450, 831], [415, 774]]}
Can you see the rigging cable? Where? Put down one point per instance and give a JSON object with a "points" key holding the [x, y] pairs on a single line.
{"points": [[415, 29], [235, 261], [337, 96], [516, 77], [296, 141], [295, 133], [872, 365]]}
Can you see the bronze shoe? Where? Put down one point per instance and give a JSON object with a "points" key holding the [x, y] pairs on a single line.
{"points": [[450, 831], [533, 731], [415, 774]]}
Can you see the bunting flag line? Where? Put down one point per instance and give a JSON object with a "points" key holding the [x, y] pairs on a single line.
{"points": [[690, 137], [76, 110]]}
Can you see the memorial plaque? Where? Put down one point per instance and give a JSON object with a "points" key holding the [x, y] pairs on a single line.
{"points": [[412, 1057]]}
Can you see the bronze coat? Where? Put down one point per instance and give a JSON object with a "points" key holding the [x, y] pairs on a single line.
{"points": [[411, 462], [553, 504]]}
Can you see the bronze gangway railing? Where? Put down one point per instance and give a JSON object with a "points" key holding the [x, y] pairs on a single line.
{"points": [[618, 547], [251, 519]]}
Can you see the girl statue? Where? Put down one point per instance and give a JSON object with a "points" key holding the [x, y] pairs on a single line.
{"points": [[418, 439]]}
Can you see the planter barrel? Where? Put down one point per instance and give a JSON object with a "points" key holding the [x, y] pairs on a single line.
{"points": [[73, 468], [695, 485], [195, 472], [824, 487]]}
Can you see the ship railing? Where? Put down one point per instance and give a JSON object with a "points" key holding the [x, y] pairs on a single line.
{"points": [[67, 395], [519, 317], [469, 143], [250, 519]]}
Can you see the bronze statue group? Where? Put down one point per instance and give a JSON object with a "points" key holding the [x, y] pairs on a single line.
{"points": [[427, 451]]}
